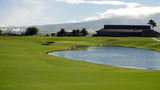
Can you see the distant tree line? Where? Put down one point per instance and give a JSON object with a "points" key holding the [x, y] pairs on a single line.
{"points": [[77, 32], [30, 31]]}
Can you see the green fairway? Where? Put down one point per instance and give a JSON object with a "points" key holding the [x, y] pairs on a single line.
{"points": [[24, 65]]}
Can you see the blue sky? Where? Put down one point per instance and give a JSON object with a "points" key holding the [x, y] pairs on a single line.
{"points": [[39, 12]]}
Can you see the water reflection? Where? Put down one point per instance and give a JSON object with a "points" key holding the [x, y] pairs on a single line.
{"points": [[116, 56]]}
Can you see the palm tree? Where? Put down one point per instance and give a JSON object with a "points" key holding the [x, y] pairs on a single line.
{"points": [[62, 32], [74, 32], [78, 32], [152, 23]]}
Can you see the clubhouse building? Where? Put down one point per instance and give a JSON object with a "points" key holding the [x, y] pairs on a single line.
{"points": [[127, 30]]}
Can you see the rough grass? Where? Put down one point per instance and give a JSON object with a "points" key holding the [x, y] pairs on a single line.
{"points": [[25, 66]]}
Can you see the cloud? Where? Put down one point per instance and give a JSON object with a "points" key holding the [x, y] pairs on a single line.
{"points": [[2, 28], [100, 2], [71, 1], [24, 12], [46, 18], [33, 1], [137, 12], [113, 3], [17, 29], [2, 25]]}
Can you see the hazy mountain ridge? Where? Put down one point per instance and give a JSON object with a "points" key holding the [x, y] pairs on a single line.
{"points": [[93, 26]]}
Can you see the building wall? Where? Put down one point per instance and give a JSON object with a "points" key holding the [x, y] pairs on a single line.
{"points": [[122, 30], [119, 31]]}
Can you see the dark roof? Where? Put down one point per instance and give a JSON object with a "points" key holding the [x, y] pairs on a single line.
{"points": [[127, 27]]}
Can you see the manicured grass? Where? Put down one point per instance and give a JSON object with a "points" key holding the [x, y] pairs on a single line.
{"points": [[25, 66]]}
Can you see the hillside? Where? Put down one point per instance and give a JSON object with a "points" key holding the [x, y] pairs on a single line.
{"points": [[95, 25]]}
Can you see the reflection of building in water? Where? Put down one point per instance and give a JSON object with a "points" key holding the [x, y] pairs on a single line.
{"points": [[127, 30]]}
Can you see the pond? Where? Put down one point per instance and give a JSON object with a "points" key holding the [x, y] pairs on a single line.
{"points": [[115, 56]]}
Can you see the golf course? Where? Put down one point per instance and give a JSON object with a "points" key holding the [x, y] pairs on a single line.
{"points": [[25, 65]]}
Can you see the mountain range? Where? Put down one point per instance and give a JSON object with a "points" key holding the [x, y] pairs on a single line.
{"points": [[93, 26]]}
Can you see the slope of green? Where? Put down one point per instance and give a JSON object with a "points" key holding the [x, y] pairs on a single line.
{"points": [[25, 66]]}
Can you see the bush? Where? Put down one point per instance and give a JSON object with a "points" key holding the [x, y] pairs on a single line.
{"points": [[31, 31], [0, 32]]}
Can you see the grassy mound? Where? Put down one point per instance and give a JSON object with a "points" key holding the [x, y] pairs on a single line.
{"points": [[24, 65]]}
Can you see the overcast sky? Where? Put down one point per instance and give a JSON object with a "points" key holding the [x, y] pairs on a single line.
{"points": [[38, 12]]}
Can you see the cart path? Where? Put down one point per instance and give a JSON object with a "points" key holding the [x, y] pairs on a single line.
{"points": [[156, 39]]}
